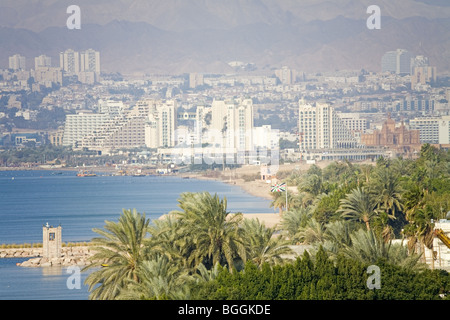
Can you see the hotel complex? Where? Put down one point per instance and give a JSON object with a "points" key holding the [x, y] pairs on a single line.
{"points": [[321, 127], [227, 126], [153, 124], [432, 130]]}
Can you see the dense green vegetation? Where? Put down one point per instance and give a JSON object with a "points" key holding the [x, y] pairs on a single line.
{"points": [[345, 216], [323, 279]]}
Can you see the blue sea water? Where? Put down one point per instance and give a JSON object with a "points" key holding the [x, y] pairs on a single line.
{"points": [[30, 199]]}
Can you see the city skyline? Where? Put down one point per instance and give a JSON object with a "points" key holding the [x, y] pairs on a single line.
{"points": [[324, 124]]}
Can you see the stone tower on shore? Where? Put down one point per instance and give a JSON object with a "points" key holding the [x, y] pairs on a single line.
{"points": [[51, 241]]}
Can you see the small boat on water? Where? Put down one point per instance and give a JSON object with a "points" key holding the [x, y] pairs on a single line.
{"points": [[86, 173]]}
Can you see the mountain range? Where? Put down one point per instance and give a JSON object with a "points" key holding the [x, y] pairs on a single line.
{"points": [[180, 36]]}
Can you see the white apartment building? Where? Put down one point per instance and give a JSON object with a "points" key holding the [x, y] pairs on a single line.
{"points": [[166, 115], [89, 67], [232, 124], [85, 65], [398, 62], [152, 132], [195, 80], [17, 62], [90, 61], [69, 62], [432, 129], [161, 124], [111, 107], [79, 125], [121, 132], [286, 75], [354, 122], [148, 123], [42, 61], [320, 127], [200, 123], [124, 128]]}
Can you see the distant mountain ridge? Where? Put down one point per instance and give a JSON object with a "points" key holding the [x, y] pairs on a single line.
{"points": [[265, 32]]}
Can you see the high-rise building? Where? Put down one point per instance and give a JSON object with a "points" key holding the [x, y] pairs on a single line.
{"points": [[423, 75], [17, 62], [42, 61], [195, 80], [69, 61], [232, 124], [422, 103], [435, 130], [398, 62], [320, 127], [200, 123], [354, 122], [89, 66], [79, 125], [161, 124], [286, 75], [166, 115], [123, 128], [419, 61], [90, 61]]}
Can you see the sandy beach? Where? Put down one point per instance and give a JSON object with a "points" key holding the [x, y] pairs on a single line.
{"points": [[255, 187]]}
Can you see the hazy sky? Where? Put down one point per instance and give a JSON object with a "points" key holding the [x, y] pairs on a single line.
{"points": [[204, 35], [178, 14]]}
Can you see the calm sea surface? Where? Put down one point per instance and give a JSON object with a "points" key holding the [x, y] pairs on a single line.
{"points": [[30, 199]]}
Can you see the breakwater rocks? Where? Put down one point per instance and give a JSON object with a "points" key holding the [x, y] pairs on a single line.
{"points": [[70, 256]]}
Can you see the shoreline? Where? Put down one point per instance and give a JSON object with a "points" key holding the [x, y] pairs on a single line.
{"points": [[255, 188]]}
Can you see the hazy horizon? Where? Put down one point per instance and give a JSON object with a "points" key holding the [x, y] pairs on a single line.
{"points": [[205, 35]]}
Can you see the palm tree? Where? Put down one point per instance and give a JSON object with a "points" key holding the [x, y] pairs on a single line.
{"points": [[122, 248], [293, 220], [368, 248], [418, 214], [313, 232], [214, 232], [337, 235], [168, 240], [366, 170], [159, 279], [387, 191], [420, 228], [313, 184], [279, 201], [204, 275], [261, 244], [358, 205]]}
